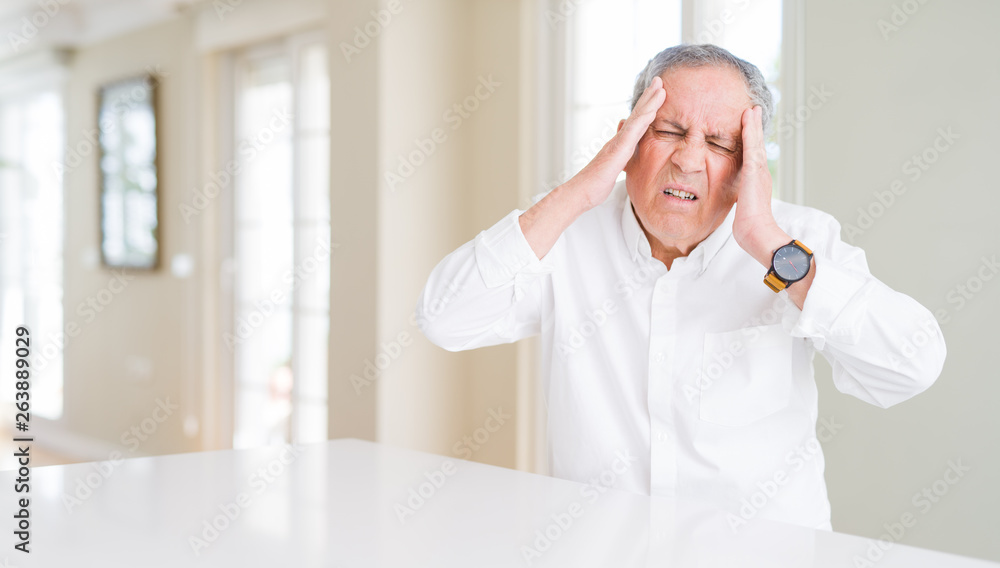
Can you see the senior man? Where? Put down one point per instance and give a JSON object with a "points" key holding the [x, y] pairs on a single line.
{"points": [[680, 309]]}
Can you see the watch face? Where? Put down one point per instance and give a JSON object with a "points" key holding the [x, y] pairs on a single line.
{"points": [[791, 263]]}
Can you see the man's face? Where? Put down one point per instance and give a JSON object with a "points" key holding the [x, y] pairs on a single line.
{"points": [[693, 145]]}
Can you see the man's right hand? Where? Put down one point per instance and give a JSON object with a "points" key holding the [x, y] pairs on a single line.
{"points": [[546, 220], [596, 180]]}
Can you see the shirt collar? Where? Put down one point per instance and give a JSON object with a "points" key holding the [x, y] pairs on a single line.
{"points": [[638, 245]]}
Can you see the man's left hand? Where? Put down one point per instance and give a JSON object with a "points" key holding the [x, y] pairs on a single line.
{"points": [[754, 227]]}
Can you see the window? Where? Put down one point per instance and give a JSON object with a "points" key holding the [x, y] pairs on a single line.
{"points": [[281, 243], [31, 242], [609, 41]]}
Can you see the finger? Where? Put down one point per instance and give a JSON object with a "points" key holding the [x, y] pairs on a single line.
{"points": [[645, 110], [650, 101], [754, 151]]}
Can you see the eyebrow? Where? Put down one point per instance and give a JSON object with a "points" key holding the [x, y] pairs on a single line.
{"points": [[669, 122]]}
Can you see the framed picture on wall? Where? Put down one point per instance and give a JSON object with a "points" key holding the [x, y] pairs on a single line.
{"points": [[128, 174]]}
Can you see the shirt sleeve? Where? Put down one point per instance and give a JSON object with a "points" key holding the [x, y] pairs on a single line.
{"points": [[486, 292], [883, 345]]}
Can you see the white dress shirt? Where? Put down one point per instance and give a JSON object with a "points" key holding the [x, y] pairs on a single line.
{"points": [[695, 382]]}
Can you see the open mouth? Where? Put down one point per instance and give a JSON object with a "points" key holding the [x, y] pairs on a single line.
{"points": [[679, 194]]}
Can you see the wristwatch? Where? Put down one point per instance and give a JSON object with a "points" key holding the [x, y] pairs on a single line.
{"points": [[789, 264]]}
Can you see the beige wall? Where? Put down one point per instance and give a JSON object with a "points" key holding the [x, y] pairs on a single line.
{"points": [[436, 56], [143, 345], [938, 71]]}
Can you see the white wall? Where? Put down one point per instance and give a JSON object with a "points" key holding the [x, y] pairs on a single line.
{"points": [[890, 98]]}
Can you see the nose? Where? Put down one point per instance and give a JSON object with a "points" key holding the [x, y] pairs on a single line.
{"points": [[689, 155]]}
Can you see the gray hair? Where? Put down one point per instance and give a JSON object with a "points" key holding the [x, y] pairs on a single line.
{"points": [[686, 55]]}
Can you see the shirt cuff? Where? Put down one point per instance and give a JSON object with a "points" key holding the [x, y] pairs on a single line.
{"points": [[834, 308], [502, 252]]}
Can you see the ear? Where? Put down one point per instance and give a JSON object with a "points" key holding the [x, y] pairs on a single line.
{"points": [[621, 123]]}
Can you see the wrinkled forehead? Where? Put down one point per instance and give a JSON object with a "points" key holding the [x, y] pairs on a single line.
{"points": [[706, 99]]}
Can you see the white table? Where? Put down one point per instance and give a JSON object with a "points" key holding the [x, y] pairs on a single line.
{"points": [[335, 504]]}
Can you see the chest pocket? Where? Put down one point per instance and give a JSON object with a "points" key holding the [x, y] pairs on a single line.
{"points": [[746, 375]]}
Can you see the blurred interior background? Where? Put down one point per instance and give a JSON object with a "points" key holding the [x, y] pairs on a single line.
{"points": [[216, 216]]}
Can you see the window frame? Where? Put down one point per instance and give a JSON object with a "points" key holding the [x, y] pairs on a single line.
{"points": [[224, 413]]}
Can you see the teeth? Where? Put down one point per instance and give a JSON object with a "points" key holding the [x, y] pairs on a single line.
{"points": [[681, 194]]}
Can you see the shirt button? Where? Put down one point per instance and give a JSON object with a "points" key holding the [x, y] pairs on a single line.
{"points": [[659, 357], [660, 436]]}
